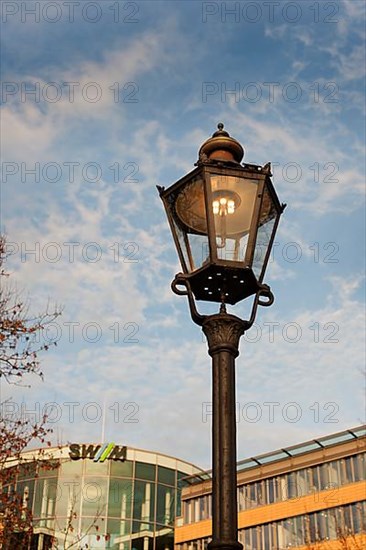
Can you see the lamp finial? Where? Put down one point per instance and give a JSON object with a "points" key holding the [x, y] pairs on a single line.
{"points": [[221, 146]]}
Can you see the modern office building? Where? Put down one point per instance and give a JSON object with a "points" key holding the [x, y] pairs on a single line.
{"points": [[98, 496], [308, 496]]}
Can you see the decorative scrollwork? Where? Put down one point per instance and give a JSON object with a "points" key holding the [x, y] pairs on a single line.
{"points": [[223, 330]]}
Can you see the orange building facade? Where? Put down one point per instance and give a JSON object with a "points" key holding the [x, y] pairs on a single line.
{"points": [[308, 496]]}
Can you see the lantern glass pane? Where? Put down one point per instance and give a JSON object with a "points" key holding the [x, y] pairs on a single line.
{"points": [[190, 206], [199, 249], [233, 200], [183, 244], [267, 219], [188, 212]]}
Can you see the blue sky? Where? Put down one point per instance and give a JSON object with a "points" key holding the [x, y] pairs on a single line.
{"points": [[126, 92]]}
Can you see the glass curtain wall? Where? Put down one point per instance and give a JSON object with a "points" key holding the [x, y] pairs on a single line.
{"points": [[114, 505]]}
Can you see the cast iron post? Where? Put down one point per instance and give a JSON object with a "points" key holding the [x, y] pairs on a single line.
{"points": [[223, 332]]}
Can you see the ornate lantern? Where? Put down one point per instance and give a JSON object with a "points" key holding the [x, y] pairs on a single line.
{"points": [[223, 216]]}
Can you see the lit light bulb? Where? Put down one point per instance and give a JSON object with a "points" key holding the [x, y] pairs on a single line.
{"points": [[216, 207], [230, 206], [223, 206]]}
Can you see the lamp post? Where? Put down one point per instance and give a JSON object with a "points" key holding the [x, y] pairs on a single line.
{"points": [[223, 216]]}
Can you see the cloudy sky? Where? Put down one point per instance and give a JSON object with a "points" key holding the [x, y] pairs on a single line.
{"points": [[103, 100]]}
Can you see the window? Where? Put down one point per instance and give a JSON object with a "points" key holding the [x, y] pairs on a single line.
{"points": [[144, 498], [145, 471], [121, 469], [94, 496], [166, 475], [359, 467], [120, 498], [165, 505]]}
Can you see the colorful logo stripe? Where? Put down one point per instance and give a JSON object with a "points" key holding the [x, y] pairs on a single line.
{"points": [[104, 452]]}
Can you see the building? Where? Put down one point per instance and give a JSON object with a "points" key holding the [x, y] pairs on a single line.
{"points": [[311, 495], [98, 496], [107, 496]]}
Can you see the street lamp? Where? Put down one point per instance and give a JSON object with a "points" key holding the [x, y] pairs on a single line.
{"points": [[223, 216]]}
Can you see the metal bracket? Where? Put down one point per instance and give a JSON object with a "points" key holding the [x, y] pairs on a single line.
{"points": [[181, 279]]}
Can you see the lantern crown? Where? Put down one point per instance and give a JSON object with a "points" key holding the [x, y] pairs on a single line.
{"points": [[221, 146]]}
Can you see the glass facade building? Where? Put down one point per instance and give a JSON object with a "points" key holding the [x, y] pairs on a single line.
{"points": [[94, 497], [87, 500], [311, 495]]}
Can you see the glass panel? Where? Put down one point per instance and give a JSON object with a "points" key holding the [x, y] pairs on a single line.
{"points": [[356, 516], [347, 520], [233, 200], [145, 471], [267, 218], [165, 505], [49, 469], [271, 491], [45, 497], [359, 432], [142, 527], [299, 449], [331, 440], [333, 474], [190, 206], [323, 474], [71, 468], [26, 491], [68, 504], [323, 525], [291, 485], [261, 492], [271, 457], [299, 531], [94, 496], [363, 515], [27, 471], [144, 497], [121, 469], [316, 478], [274, 535], [301, 483], [120, 498], [247, 541], [348, 475], [118, 532], [93, 531], [251, 495], [241, 498], [96, 468], [332, 524], [166, 475], [282, 487], [184, 246], [267, 537], [359, 467], [188, 214], [289, 532], [199, 250], [256, 538]]}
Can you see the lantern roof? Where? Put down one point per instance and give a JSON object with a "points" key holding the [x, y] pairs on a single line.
{"points": [[221, 146]]}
